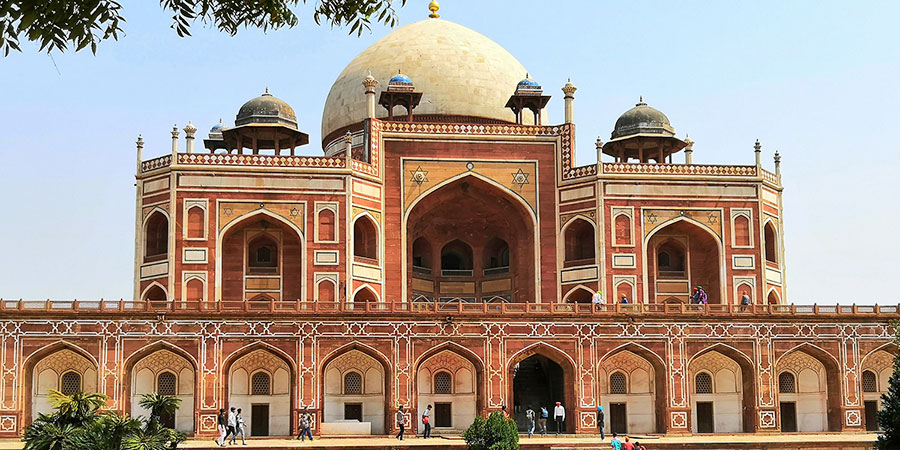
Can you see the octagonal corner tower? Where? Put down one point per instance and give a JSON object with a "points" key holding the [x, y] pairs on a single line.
{"points": [[460, 72]]}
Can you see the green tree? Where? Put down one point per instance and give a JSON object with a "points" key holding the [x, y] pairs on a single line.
{"points": [[494, 433], [889, 415], [57, 24], [77, 424]]}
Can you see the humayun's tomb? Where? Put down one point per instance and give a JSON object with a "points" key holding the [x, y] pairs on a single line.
{"points": [[444, 250]]}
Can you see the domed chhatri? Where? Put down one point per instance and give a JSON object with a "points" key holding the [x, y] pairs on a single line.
{"points": [[460, 73], [266, 109], [642, 119], [643, 133], [400, 83], [528, 83]]}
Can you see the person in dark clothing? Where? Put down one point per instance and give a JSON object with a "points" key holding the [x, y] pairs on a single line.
{"points": [[401, 422], [600, 418], [426, 420], [223, 428]]}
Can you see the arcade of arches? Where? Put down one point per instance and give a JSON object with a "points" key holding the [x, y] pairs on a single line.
{"points": [[470, 241], [632, 384]]}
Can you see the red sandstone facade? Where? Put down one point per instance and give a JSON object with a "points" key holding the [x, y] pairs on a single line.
{"points": [[440, 260]]}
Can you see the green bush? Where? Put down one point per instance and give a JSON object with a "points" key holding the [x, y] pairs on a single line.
{"points": [[889, 416], [495, 433]]}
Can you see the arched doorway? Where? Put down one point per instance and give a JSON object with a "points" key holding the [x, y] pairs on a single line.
{"points": [[156, 237], [449, 383], [259, 383], [470, 240], [808, 391], [166, 373], [578, 238], [64, 370], [681, 256], [355, 386], [718, 393], [877, 368], [628, 392], [540, 381], [261, 256]]}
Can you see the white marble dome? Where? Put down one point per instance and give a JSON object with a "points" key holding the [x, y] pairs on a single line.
{"points": [[458, 71]]}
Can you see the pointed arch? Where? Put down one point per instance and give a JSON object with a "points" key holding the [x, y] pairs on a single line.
{"points": [[748, 381], [366, 237], [474, 359], [148, 292], [833, 384], [364, 294], [579, 241], [659, 377], [889, 347], [770, 241], [326, 292], [371, 352], [720, 265], [571, 385], [243, 219], [31, 361], [579, 294], [155, 230], [772, 297]]}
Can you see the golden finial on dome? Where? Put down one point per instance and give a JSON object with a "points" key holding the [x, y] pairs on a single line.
{"points": [[434, 7]]}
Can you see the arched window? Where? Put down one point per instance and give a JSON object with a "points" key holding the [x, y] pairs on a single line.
{"points": [[262, 255], [353, 383], [623, 230], [443, 383], [421, 259], [365, 238], [869, 381], [670, 260], [195, 222], [194, 290], [703, 383], [261, 384], [741, 231], [771, 243], [326, 291], [787, 383], [579, 242], [166, 384], [618, 383], [496, 256], [772, 297], [326, 225], [456, 259], [70, 383], [365, 295], [156, 237]]}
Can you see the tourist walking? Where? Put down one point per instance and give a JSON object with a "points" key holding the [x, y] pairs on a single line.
{"points": [[638, 446], [239, 428], [231, 424], [695, 296], [542, 421], [222, 426], [529, 415], [745, 301], [703, 297], [624, 300], [401, 422], [559, 416], [627, 445], [600, 419], [426, 420], [615, 442], [305, 427]]}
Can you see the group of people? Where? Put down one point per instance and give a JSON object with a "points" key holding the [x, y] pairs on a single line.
{"points": [[426, 421], [597, 299], [699, 297], [539, 420], [626, 444], [230, 425]]}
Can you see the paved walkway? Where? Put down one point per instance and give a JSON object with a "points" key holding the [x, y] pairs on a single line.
{"points": [[560, 442]]}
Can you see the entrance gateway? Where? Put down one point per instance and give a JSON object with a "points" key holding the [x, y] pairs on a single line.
{"points": [[538, 382]]}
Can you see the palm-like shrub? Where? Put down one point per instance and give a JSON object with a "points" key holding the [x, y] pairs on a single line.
{"points": [[495, 433], [889, 415], [77, 424]]}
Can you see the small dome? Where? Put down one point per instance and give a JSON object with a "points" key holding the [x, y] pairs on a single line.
{"points": [[266, 109], [642, 119], [400, 79], [528, 82], [216, 131]]}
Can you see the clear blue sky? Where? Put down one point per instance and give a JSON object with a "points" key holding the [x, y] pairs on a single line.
{"points": [[816, 80]]}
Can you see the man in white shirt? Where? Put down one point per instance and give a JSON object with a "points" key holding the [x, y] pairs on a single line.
{"points": [[232, 425], [559, 415]]}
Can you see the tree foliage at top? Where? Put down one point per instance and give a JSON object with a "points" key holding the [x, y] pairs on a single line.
{"points": [[57, 24], [495, 433], [889, 415], [78, 424]]}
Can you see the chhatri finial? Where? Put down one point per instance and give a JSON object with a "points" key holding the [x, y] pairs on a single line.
{"points": [[434, 7], [757, 147]]}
